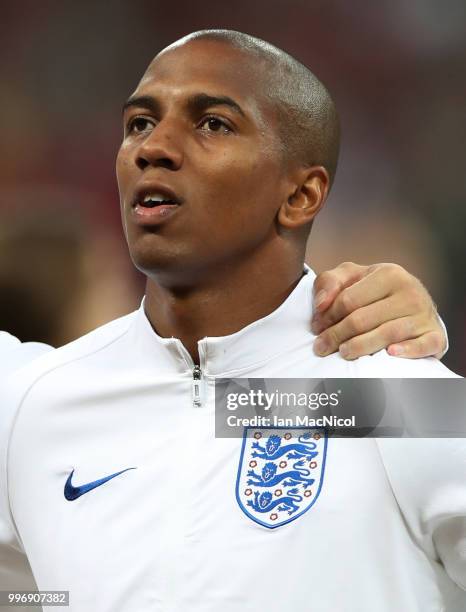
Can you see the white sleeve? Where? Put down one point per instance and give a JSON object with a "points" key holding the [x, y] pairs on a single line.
{"points": [[427, 475], [15, 572], [428, 478]]}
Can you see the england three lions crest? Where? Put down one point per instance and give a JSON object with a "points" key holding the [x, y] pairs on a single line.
{"points": [[280, 473]]}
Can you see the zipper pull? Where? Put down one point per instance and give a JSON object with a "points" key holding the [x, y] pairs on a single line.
{"points": [[197, 374]]}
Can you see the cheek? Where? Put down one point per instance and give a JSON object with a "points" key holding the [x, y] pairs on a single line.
{"points": [[237, 209], [240, 179], [122, 166], [247, 190]]}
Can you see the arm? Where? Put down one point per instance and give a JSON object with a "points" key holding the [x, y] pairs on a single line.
{"points": [[427, 479], [359, 310], [15, 571]]}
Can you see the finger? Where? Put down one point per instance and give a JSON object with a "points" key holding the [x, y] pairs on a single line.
{"points": [[431, 344], [328, 284], [365, 341], [378, 284], [379, 338], [365, 319]]}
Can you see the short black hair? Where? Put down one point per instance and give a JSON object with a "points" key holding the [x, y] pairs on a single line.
{"points": [[307, 118]]}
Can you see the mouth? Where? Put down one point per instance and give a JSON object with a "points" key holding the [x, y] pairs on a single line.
{"points": [[153, 203]]}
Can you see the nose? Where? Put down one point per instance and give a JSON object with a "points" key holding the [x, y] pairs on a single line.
{"points": [[161, 148]]}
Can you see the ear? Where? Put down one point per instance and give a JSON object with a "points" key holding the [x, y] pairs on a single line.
{"points": [[306, 197]]}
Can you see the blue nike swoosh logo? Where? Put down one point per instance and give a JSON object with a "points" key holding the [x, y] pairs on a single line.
{"points": [[72, 492]]}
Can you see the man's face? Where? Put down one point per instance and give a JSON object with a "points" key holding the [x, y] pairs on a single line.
{"points": [[199, 135]]}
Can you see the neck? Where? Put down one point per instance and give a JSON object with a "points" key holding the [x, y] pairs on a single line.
{"points": [[222, 304]]}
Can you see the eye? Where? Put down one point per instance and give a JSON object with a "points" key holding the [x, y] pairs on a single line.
{"points": [[139, 125], [214, 124]]}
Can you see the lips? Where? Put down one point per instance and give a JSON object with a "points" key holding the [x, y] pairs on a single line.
{"points": [[153, 204], [157, 191]]}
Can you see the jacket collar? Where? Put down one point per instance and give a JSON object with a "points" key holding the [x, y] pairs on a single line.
{"points": [[258, 342]]}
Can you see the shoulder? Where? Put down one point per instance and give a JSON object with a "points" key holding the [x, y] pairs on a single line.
{"points": [[383, 365], [14, 354], [379, 365], [94, 345], [7, 342]]}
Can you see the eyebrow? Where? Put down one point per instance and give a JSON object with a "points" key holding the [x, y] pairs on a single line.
{"points": [[198, 102]]}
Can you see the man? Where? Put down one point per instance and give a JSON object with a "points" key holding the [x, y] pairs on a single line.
{"points": [[229, 150]]}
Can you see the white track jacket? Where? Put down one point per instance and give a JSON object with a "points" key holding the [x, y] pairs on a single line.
{"points": [[114, 487]]}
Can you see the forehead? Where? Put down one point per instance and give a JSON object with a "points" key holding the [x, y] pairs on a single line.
{"points": [[212, 67]]}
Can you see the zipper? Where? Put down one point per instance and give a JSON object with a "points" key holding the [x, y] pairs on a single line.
{"points": [[197, 382]]}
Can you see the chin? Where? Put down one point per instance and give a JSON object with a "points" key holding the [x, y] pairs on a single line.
{"points": [[151, 262], [166, 266]]}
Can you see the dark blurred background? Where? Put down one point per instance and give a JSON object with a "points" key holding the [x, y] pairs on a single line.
{"points": [[396, 69]]}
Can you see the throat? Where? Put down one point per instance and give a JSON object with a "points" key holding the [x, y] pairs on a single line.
{"points": [[193, 314]]}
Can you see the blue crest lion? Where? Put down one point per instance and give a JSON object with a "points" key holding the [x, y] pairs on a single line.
{"points": [[280, 476], [270, 478], [273, 449], [263, 502]]}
